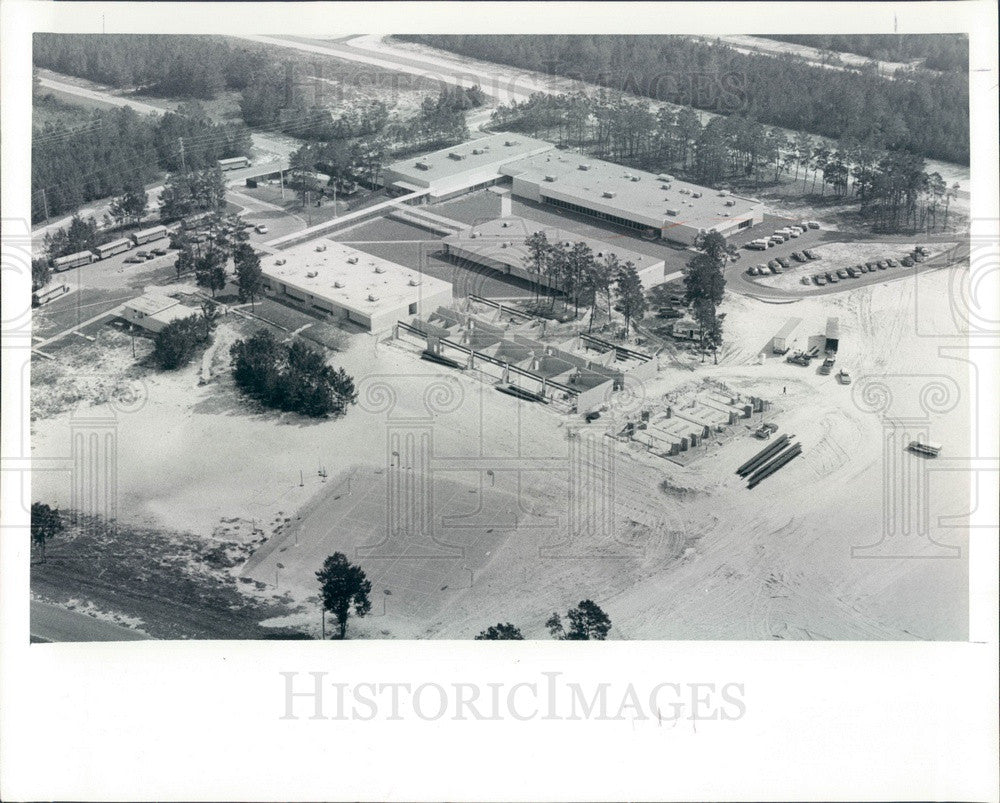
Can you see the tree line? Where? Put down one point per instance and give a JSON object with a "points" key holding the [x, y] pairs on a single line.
{"points": [[181, 66], [740, 151], [948, 52], [928, 114], [118, 149]]}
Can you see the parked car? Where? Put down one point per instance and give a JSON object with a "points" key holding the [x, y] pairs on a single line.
{"points": [[843, 377], [592, 416], [842, 273], [773, 264], [827, 366], [160, 252], [805, 280], [921, 249], [881, 266], [907, 262], [820, 280], [142, 254], [810, 253], [798, 257], [776, 269], [831, 277], [134, 258], [853, 273], [752, 270], [892, 263], [260, 228], [793, 232], [861, 268], [812, 224], [783, 261], [918, 256]]}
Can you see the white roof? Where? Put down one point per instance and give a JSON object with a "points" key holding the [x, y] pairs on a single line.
{"points": [[485, 152], [151, 303], [360, 276]]}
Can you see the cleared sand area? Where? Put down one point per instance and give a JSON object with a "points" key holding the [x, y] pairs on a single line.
{"points": [[477, 528]]}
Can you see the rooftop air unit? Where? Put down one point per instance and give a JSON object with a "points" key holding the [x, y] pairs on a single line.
{"points": [[372, 297], [609, 194], [664, 186], [320, 247], [510, 142], [696, 195], [584, 166], [730, 203], [550, 178], [672, 212], [456, 156], [280, 262], [665, 177], [636, 178], [339, 285], [379, 269], [504, 225], [723, 193], [352, 260], [422, 166], [312, 274], [414, 282]]}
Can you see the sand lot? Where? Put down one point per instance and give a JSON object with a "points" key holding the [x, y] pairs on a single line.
{"points": [[478, 526]]}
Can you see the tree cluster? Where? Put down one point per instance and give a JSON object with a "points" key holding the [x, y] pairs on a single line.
{"points": [[46, 524], [587, 622], [926, 112], [178, 342], [290, 377]]}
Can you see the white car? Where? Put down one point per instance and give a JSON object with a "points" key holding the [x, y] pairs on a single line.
{"points": [[260, 228]]}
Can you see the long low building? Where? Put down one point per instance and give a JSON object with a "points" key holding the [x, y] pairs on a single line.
{"points": [[659, 204], [500, 245], [470, 166], [353, 285]]}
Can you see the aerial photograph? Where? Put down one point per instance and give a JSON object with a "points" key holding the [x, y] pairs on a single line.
{"points": [[484, 336]]}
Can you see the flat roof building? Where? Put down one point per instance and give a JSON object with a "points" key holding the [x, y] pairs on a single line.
{"points": [[470, 166], [153, 311], [352, 285], [674, 210], [500, 245]]}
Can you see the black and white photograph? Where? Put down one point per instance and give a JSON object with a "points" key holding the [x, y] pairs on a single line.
{"points": [[451, 334]]}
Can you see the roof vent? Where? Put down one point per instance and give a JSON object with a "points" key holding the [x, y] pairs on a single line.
{"points": [[338, 285], [723, 193], [672, 212], [414, 282], [584, 166], [379, 269], [664, 186], [550, 178], [352, 260], [730, 203], [696, 195], [510, 142], [635, 178], [320, 247], [372, 297], [422, 166], [608, 194], [312, 274], [280, 262], [505, 225]]}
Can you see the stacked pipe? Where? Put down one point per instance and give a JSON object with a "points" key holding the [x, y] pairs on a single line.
{"points": [[768, 469], [763, 455]]}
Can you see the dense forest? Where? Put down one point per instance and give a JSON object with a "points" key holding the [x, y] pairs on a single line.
{"points": [[928, 115], [115, 148], [948, 52], [180, 66]]}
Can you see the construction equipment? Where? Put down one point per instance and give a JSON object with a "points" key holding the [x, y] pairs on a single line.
{"points": [[765, 431], [827, 366]]}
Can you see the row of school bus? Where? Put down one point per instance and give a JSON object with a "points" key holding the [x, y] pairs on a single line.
{"points": [[110, 249]]}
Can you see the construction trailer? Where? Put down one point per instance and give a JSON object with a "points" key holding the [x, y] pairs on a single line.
{"points": [[832, 335], [782, 341]]}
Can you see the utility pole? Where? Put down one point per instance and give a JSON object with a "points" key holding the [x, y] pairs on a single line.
{"points": [[183, 164], [282, 174], [309, 216], [45, 203]]}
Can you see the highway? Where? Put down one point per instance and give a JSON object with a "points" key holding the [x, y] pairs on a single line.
{"points": [[53, 623]]}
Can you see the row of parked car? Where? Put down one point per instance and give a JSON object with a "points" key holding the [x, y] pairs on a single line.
{"points": [[919, 254], [781, 264], [781, 236], [142, 256]]}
